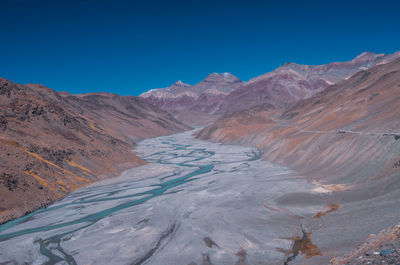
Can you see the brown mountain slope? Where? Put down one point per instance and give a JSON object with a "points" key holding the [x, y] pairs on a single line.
{"points": [[52, 143], [345, 139]]}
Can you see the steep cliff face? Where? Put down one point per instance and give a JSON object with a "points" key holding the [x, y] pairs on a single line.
{"points": [[52, 143], [345, 139]]}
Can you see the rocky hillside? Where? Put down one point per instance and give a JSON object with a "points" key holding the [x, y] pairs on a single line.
{"points": [[381, 248], [52, 143], [345, 139]]}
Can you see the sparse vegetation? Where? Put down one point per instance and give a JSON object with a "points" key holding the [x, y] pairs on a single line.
{"points": [[12, 181], [3, 122]]}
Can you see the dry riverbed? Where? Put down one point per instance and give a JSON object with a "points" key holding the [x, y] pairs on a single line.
{"points": [[196, 202]]}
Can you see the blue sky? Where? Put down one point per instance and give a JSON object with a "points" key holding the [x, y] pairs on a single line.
{"points": [[129, 47]]}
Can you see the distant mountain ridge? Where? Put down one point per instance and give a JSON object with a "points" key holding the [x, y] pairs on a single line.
{"points": [[192, 104], [214, 83], [289, 83]]}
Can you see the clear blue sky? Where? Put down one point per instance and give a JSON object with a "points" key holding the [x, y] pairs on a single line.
{"points": [[128, 47]]}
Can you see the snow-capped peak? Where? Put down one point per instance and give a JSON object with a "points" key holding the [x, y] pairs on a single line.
{"points": [[180, 84]]}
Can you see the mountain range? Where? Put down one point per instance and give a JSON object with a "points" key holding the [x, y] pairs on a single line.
{"points": [[222, 93]]}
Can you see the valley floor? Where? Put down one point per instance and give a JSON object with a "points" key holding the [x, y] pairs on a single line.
{"points": [[196, 202]]}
